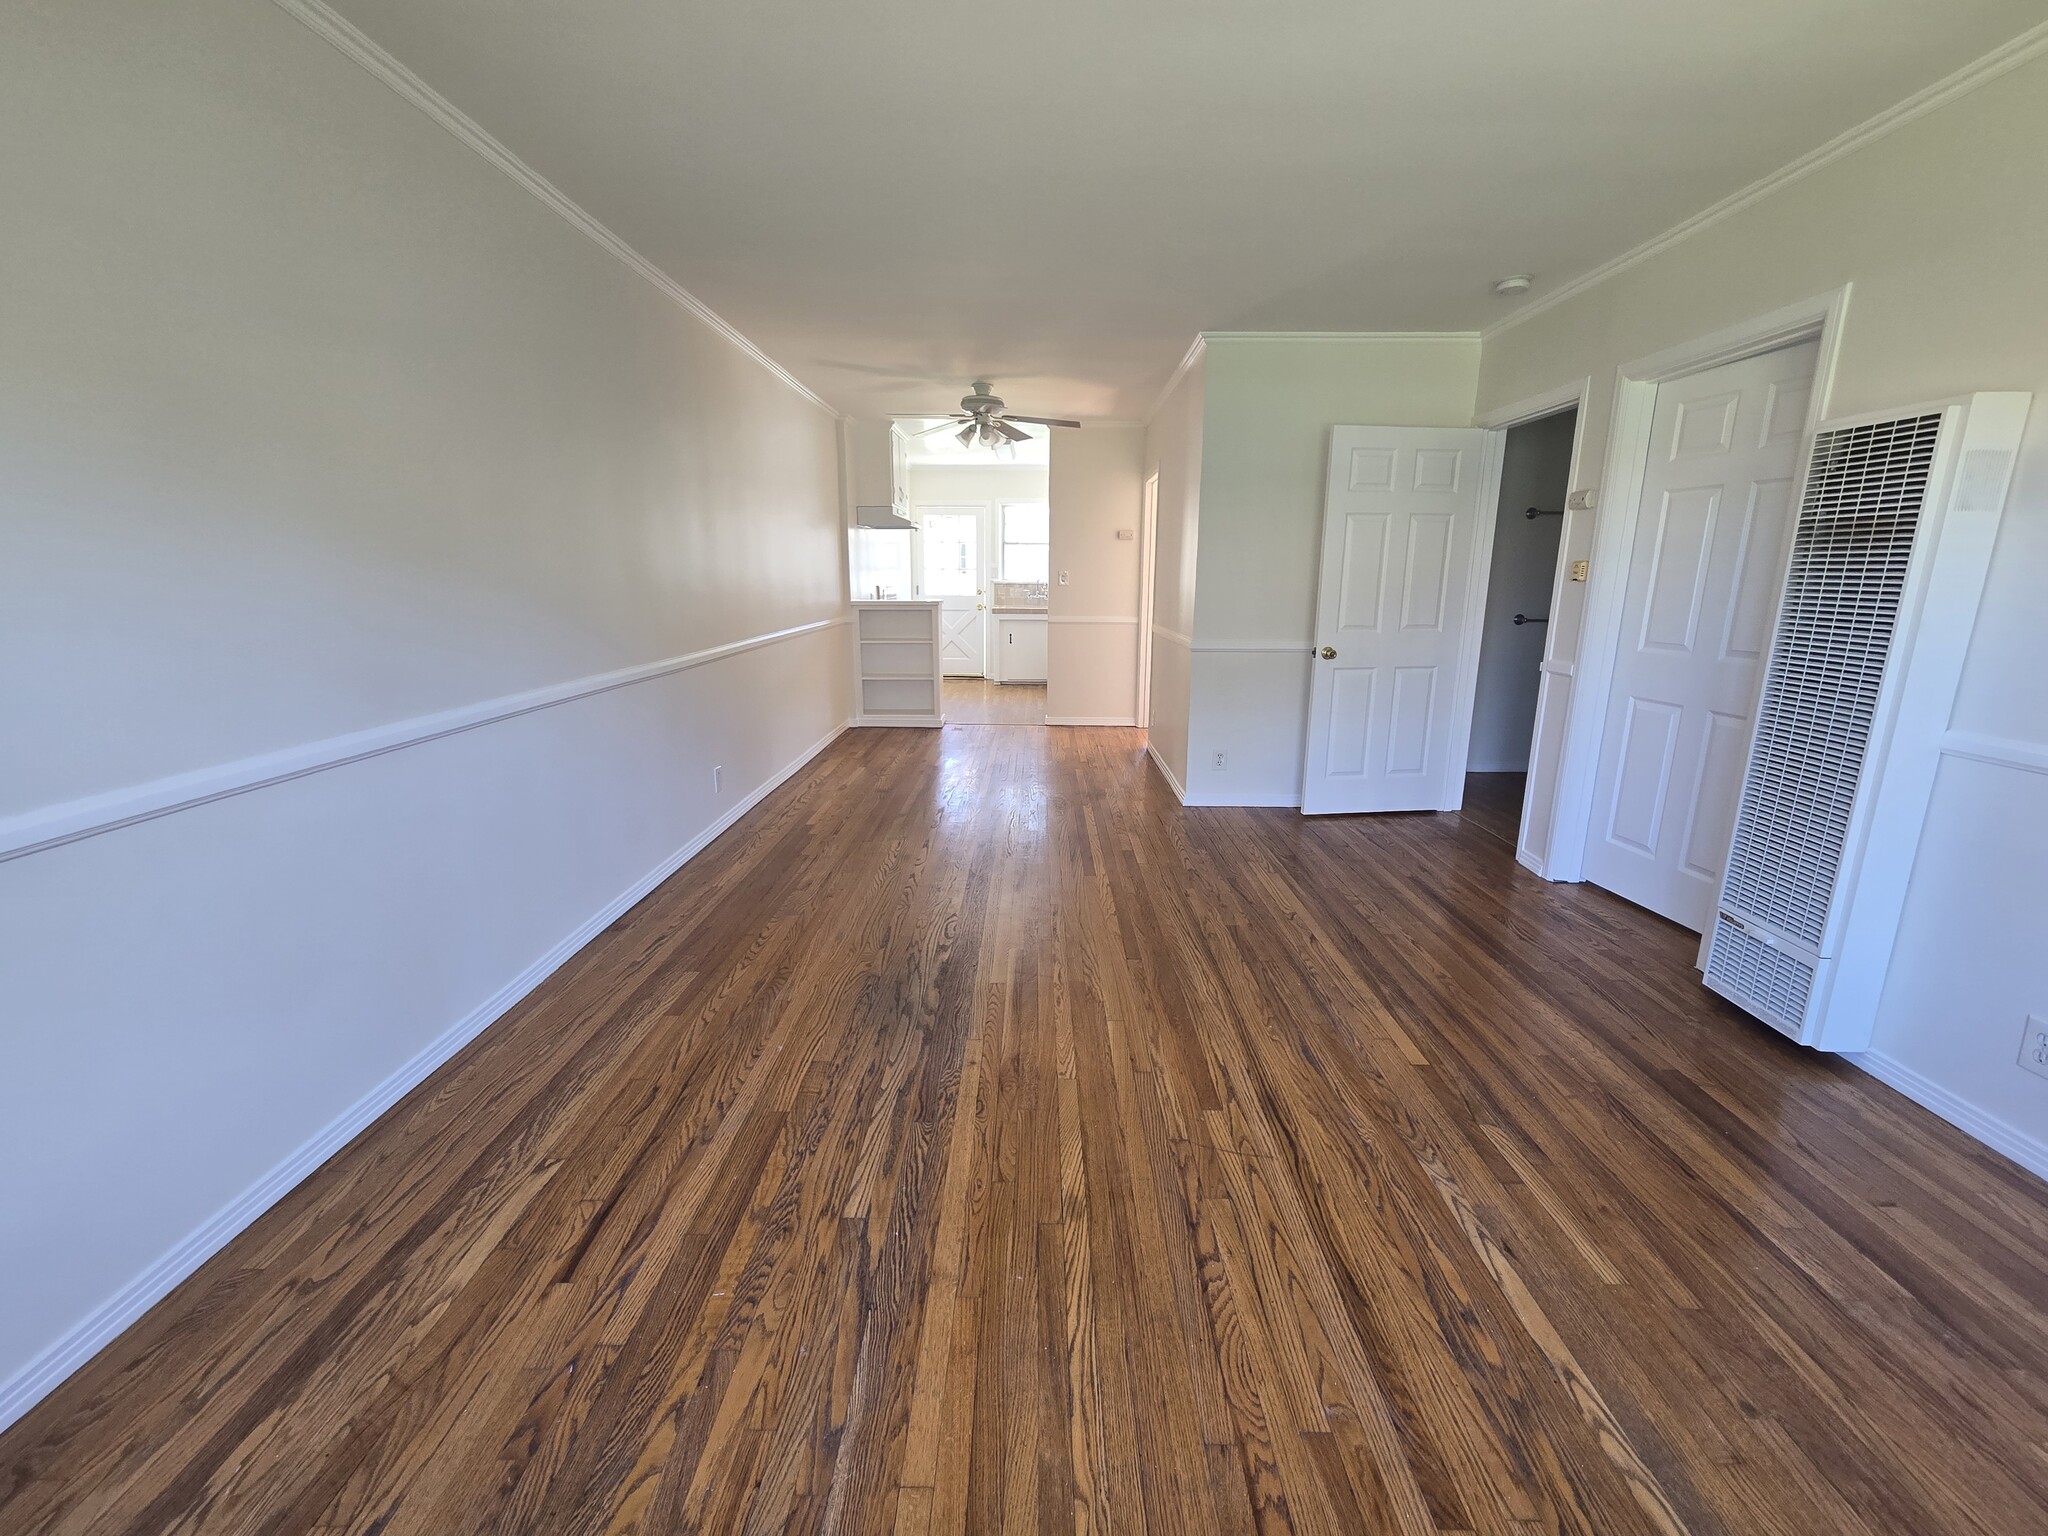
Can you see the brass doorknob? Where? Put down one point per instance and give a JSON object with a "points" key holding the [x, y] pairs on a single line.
{"points": [[1329, 653]]}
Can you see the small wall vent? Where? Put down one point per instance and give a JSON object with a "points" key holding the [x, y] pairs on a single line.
{"points": [[1890, 549]]}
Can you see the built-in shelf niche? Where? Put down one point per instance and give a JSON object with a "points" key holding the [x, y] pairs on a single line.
{"points": [[896, 661]]}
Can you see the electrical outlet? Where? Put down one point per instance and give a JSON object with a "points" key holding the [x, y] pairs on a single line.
{"points": [[2034, 1046], [1063, 578], [717, 780], [1579, 569], [1219, 760]]}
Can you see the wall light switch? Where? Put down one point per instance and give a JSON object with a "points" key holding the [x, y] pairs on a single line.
{"points": [[1582, 501], [717, 780], [1125, 535], [1063, 578], [1579, 569]]}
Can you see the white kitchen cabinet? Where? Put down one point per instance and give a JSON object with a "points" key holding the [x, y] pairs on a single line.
{"points": [[1020, 648]]}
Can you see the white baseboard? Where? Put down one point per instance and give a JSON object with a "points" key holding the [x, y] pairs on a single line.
{"points": [[2030, 1152], [35, 1380], [1180, 790], [1090, 720], [1529, 861]]}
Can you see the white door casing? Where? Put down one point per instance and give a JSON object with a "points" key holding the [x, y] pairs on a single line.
{"points": [[1400, 529], [1705, 568], [963, 627]]}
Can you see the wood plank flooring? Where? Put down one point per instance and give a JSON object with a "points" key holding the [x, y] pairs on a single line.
{"points": [[1493, 803], [977, 701], [974, 1140]]}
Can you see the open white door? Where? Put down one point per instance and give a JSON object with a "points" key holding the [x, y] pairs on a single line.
{"points": [[1704, 575], [1400, 534]]}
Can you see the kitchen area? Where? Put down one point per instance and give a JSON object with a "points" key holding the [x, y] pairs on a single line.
{"points": [[965, 538]]}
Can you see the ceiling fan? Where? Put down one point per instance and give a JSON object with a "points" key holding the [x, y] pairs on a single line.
{"points": [[987, 425]]}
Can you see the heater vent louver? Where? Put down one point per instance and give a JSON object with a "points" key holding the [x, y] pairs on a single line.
{"points": [[1897, 517], [1854, 541], [1774, 984]]}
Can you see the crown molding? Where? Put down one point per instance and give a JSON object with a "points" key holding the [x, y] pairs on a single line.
{"points": [[1462, 337], [2009, 56], [352, 41], [1188, 360], [1206, 339]]}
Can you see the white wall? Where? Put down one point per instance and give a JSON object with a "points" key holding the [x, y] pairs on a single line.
{"points": [[1269, 404], [313, 423], [982, 485], [1536, 462], [1173, 452], [1098, 483], [1941, 227]]}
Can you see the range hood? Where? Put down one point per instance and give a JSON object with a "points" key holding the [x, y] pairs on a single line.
{"points": [[881, 517]]}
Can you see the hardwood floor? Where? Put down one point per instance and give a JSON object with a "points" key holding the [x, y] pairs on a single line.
{"points": [[977, 701], [974, 1140], [1493, 803]]}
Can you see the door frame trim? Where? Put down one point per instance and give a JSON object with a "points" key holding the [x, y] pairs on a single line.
{"points": [[1465, 681], [1614, 532], [1497, 424], [1148, 555]]}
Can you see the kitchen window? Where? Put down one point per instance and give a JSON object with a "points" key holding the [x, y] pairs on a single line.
{"points": [[1027, 546]]}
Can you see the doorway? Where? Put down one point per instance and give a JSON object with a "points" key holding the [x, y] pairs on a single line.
{"points": [[954, 540], [1535, 476]]}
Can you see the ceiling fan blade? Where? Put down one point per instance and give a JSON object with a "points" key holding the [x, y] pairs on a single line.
{"points": [[944, 426], [1009, 431], [1041, 421]]}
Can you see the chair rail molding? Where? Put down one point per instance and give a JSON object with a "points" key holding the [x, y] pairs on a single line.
{"points": [[1999, 751], [54, 825]]}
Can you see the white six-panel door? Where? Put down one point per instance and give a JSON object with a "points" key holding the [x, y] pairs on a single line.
{"points": [[1400, 523], [1704, 574]]}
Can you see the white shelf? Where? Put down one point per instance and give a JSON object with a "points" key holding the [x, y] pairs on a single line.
{"points": [[896, 663]]}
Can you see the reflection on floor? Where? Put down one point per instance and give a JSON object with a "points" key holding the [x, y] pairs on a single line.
{"points": [[977, 701], [1493, 804], [973, 1139]]}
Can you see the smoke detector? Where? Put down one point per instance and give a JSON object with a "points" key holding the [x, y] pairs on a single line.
{"points": [[1510, 286]]}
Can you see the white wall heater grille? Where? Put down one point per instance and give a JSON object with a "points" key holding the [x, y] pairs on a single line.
{"points": [[1889, 554]]}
